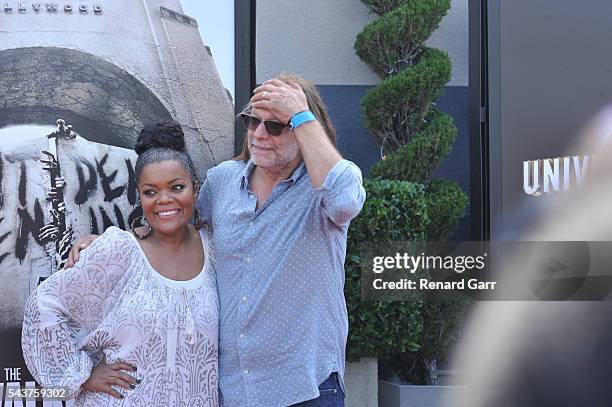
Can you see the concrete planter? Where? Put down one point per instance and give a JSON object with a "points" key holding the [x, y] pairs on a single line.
{"points": [[361, 382], [408, 395]]}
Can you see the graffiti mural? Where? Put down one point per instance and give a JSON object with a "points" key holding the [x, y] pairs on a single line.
{"points": [[108, 70], [54, 189]]}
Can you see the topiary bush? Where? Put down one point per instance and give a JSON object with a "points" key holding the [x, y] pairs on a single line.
{"points": [[434, 141], [396, 109], [392, 211], [416, 139], [394, 42], [446, 204]]}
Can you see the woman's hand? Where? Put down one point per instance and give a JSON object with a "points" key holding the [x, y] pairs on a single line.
{"points": [[105, 375], [79, 245]]}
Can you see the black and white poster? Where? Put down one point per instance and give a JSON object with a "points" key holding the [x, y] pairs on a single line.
{"points": [[78, 80]]}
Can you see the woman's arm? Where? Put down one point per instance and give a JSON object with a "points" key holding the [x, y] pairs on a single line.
{"points": [[68, 306]]}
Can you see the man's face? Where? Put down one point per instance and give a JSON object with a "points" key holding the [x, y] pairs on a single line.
{"points": [[272, 152]]}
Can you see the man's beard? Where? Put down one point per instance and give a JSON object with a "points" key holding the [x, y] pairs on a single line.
{"points": [[280, 159]]}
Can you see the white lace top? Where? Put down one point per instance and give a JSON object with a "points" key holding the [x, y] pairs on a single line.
{"points": [[112, 303]]}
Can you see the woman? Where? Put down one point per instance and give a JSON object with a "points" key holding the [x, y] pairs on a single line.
{"points": [[140, 311]]}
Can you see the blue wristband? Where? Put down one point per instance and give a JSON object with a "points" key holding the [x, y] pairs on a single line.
{"points": [[300, 118]]}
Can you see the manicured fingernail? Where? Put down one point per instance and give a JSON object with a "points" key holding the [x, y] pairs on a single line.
{"points": [[132, 386], [121, 396], [133, 368], [138, 381]]}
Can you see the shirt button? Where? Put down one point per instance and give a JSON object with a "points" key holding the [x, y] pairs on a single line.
{"points": [[241, 336], [250, 223], [244, 298], [248, 259], [246, 371]]}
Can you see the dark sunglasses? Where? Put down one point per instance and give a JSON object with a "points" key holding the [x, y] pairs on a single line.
{"points": [[272, 128]]}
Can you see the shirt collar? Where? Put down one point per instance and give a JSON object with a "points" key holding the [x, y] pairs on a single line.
{"points": [[246, 174], [250, 166]]}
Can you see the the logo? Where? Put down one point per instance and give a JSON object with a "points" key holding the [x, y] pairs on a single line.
{"points": [[22, 8], [554, 174]]}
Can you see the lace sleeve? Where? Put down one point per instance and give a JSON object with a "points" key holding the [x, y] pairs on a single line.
{"points": [[66, 307]]}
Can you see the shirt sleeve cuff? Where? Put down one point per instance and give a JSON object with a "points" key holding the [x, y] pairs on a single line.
{"points": [[336, 173]]}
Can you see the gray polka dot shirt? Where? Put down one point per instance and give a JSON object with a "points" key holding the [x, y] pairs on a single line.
{"points": [[280, 276]]}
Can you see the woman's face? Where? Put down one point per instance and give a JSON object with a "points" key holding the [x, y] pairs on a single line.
{"points": [[167, 196]]}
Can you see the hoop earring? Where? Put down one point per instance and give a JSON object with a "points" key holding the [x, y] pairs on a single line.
{"points": [[133, 226], [197, 220]]}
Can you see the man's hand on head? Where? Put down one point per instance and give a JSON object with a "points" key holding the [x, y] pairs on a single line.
{"points": [[285, 99], [279, 98]]}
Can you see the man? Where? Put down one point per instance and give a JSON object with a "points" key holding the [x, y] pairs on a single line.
{"points": [[280, 214]]}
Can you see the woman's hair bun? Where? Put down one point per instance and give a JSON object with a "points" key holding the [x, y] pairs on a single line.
{"points": [[161, 135]]}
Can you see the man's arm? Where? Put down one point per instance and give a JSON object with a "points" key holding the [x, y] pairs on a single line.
{"points": [[318, 153], [336, 181], [79, 245], [342, 193]]}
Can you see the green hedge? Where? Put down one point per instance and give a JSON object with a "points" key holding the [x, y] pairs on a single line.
{"points": [[403, 202], [442, 321], [393, 210], [381, 7], [407, 163], [396, 109], [410, 333], [393, 42], [446, 203]]}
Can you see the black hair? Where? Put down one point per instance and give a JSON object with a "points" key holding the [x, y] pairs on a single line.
{"points": [[163, 141]]}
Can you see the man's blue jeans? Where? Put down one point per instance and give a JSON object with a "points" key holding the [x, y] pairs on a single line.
{"points": [[330, 394]]}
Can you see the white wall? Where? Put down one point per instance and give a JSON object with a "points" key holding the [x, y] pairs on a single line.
{"points": [[315, 39]]}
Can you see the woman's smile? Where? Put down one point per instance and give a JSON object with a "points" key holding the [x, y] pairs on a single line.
{"points": [[167, 213]]}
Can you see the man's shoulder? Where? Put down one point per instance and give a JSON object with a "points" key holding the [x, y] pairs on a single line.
{"points": [[227, 169]]}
